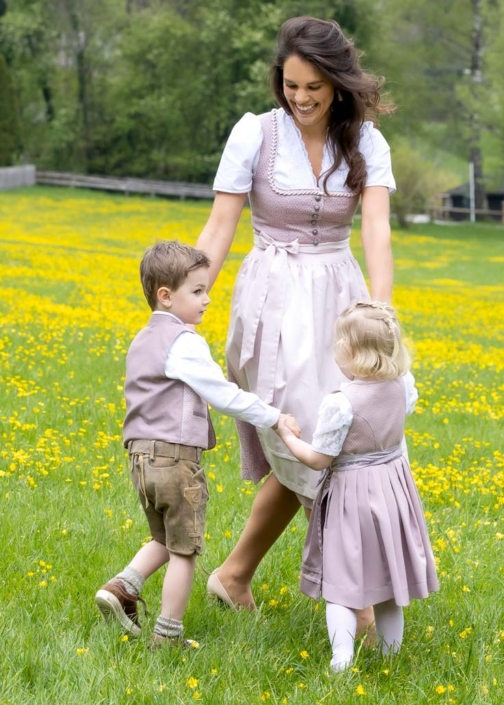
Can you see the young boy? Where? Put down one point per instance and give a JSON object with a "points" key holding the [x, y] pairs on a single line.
{"points": [[170, 379]]}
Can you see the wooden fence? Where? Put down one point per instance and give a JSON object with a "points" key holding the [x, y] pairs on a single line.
{"points": [[126, 185], [446, 213]]}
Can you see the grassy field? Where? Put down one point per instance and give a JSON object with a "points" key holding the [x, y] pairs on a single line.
{"points": [[70, 302]]}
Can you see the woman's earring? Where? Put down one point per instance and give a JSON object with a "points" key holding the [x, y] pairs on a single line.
{"points": [[340, 97]]}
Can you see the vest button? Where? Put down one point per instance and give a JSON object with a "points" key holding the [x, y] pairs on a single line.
{"points": [[318, 198], [317, 208], [315, 243], [315, 231]]}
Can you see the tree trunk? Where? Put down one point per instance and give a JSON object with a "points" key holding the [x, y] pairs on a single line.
{"points": [[48, 98], [477, 50]]}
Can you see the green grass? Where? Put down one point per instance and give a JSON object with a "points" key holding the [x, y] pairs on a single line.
{"points": [[69, 304]]}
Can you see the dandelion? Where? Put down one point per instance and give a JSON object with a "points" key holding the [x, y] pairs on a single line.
{"points": [[192, 682], [440, 689], [80, 652], [265, 696], [125, 638], [360, 690], [304, 654], [219, 488]]}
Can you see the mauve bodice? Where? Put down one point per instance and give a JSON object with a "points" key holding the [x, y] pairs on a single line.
{"points": [[309, 215], [379, 410]]}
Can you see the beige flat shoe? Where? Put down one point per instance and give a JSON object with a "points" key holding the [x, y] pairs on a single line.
{"points": [[215, 588]]}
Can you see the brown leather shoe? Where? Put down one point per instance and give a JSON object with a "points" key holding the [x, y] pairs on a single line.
{"points": [[115, 602]]}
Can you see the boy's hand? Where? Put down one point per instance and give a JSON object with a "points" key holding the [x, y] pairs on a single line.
{"points": [[287, 425]]}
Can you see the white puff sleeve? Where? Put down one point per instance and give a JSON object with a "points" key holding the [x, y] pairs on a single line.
{"points": [[375, 149], [334, 419], [240, 156], [411, 392]]}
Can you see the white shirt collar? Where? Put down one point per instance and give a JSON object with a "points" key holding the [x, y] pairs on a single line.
{"points": [[167, 313]]}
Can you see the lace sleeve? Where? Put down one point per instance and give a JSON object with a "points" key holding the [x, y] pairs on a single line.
{"points": [[411, 392], [334, 419]]}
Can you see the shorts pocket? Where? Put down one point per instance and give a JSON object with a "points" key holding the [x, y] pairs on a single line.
{"points": [[193, 495]]}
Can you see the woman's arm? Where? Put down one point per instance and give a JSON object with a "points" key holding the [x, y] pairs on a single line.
{"points": [[376, 241], [219, 231]]}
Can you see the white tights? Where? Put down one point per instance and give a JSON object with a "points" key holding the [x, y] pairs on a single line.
{"points": [[342, 625]]}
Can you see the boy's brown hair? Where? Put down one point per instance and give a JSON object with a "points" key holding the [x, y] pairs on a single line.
{"points": [[167, 263]]}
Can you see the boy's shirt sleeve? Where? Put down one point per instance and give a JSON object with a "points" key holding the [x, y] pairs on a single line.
{"points": [[190, 361]]}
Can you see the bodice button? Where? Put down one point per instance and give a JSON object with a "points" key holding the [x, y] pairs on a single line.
{"points": [[318, 198], [317, 208], [315, 231], [315, 243]]}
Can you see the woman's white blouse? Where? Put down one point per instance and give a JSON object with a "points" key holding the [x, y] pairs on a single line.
{"points": [[292, 169], [335, 418]]}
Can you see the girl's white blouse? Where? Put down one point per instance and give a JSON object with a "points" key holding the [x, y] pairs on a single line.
{"points": [[292, 168], [335, 418]]}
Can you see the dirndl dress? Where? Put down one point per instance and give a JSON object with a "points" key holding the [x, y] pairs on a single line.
{"points": [[290, 290], [367, 540]]}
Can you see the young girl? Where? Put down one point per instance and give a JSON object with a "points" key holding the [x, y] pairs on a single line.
{"points": [[367, 541]]}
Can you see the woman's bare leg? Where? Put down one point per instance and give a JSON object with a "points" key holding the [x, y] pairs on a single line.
{"points": [[273, 508]]}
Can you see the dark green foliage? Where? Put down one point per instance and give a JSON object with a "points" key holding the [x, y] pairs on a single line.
{"points": [[10, 128], [152, 88]]}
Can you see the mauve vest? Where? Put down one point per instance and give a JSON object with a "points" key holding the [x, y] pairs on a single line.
{"points": [[309, 215], [159, 408], [379, 410]]}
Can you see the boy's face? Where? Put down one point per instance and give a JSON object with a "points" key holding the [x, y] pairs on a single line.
{"points": [[190, 300]]}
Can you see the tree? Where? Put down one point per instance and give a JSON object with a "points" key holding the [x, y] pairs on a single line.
{"points": [[10, 128], [438, 57]]}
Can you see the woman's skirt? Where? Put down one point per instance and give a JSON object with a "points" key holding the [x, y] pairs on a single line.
{"points": [[280, 345]]}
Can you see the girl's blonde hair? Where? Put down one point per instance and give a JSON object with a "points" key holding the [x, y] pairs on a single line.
{"points": [[368, 341]]}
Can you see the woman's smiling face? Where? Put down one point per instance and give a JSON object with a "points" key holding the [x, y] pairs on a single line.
{"points": [[309, 93]]}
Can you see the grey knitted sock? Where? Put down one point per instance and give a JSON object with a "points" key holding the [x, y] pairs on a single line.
{"points": [[168, 627], [132, 579]]}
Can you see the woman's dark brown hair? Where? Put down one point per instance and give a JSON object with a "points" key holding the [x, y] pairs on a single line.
{"points": [[323, 44]]}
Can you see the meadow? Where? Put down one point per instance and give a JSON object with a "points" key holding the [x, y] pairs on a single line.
{"points": [[70, 303]]}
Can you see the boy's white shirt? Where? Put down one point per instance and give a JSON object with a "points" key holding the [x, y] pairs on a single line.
{"points": [[190, 361]]}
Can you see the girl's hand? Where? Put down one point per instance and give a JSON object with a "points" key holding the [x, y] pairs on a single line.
{"points": [[287, 426]]}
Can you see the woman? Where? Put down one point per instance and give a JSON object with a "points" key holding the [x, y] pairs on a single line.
{"points": [[304, 167]]}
